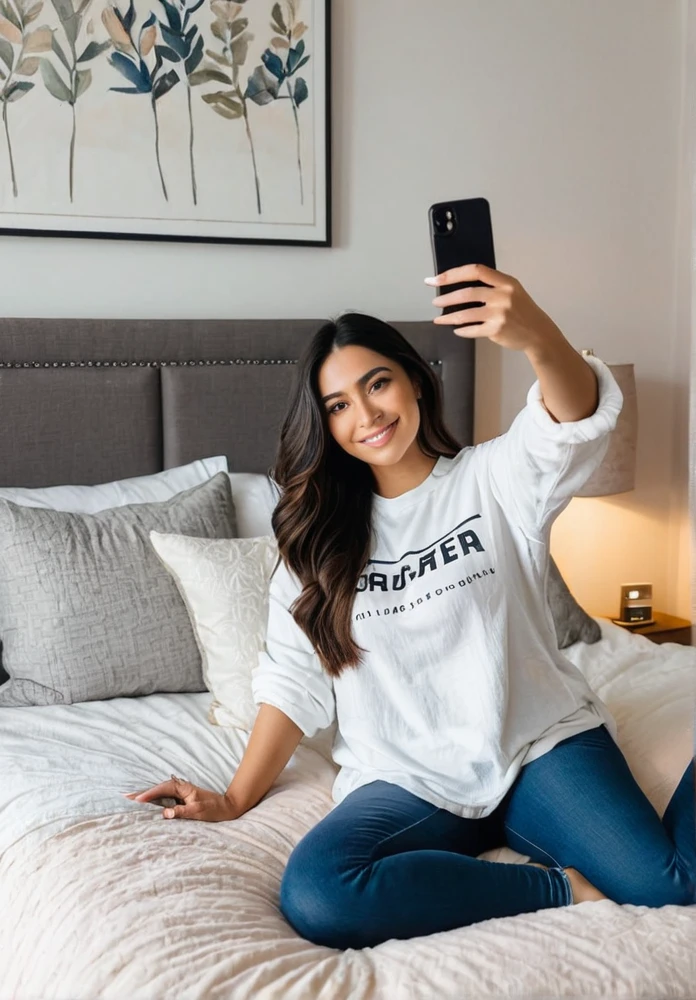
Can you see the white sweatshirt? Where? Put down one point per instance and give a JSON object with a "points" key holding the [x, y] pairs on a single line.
{"points": [[462, 682]]}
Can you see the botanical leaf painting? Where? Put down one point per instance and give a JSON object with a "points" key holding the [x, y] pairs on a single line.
{"points": [[280, 66], [129, 59], [19, 46], [68, 78], [183, 42], [238, 151], [230, 30]]}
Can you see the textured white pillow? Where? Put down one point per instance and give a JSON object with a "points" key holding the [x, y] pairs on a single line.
{"points": [[142, 489], [224, 584]]}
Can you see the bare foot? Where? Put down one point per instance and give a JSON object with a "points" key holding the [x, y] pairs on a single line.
{"points": [[583, 891]]}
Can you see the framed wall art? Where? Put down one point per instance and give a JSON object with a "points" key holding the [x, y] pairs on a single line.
{"points": [[204, 120]]}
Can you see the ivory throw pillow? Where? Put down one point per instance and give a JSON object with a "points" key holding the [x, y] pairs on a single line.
{"points": [[87, 611], [225, 587], [224, 584]]}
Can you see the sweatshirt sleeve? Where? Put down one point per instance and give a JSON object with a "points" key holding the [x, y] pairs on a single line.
{"points": [[288, 674], [538, 465]]}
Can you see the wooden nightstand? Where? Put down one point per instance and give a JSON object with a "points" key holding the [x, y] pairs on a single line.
{"points": [[666, 628]]}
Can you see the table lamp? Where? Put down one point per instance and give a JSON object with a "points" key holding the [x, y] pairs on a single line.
{"points": [[617, 474]]}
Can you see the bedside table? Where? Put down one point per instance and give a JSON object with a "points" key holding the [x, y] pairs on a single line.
{"points": [[666, 628]]}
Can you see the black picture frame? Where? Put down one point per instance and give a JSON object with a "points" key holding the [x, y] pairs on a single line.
{"points": [[325, 162]]}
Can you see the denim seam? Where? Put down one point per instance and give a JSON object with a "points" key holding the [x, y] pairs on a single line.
{"points": [[557, 863], [559, 867], [398, 833]]}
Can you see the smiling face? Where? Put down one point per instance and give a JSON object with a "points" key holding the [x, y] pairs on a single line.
{"points": [[368, 392]]}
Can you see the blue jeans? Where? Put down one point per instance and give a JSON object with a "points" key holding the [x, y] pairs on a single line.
{"points": [[386, 864]]}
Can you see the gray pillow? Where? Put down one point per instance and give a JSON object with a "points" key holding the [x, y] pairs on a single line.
{"points": [[572, 624], [88, 611]]}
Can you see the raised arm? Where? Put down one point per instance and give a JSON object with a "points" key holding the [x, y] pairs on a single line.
{"points": [[560, 437], [569, 389], [507, 315]]}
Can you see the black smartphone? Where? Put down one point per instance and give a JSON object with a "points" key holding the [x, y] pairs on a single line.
{"points": [[461, 233]]}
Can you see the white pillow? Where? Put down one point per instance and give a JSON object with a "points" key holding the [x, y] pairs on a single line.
{"points": [[141, 489], [255, 497], [224, 584]]}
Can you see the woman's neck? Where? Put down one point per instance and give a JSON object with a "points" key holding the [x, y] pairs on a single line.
{"points": [[410, 471]]}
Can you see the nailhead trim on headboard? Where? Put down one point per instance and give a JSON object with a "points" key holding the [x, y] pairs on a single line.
{"points": [[147, 364]]}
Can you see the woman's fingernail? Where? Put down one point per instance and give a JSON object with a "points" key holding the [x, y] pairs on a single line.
{"points": [[168, 813], [430, 281]]}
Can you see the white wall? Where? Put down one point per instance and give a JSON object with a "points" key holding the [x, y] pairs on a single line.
{"points": [[566, 116], [688, 537]]}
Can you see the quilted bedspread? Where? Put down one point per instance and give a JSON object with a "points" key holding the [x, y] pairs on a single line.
{"points": [[102, 898]]}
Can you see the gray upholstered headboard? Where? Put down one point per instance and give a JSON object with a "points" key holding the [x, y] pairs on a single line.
{"points": [[89, 401]]}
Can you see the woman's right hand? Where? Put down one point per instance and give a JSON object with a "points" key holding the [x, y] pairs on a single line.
{"points": [[198, 803]]}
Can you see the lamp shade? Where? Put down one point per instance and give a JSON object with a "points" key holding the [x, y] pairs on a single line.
{"points": [[617, 473]]}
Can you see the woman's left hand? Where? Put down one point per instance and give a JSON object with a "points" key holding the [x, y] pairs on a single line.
{"points": [[507, 315]]}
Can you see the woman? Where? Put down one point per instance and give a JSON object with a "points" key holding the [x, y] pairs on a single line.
{"points": [[409, 606]]}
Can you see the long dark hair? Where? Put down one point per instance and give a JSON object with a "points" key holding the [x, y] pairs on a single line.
{"points": [[322, 520]]}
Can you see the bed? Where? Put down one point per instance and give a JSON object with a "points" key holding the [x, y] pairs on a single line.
{"points": [[100, 897]]}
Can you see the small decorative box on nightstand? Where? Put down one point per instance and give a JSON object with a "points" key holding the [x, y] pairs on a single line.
{"points": [[665, 628]]}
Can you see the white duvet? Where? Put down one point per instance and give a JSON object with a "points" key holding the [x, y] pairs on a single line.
{"points": [[102, 898]]}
